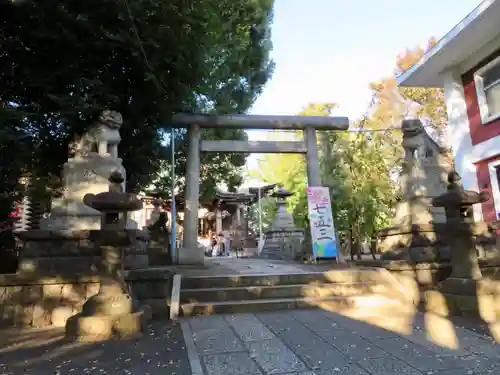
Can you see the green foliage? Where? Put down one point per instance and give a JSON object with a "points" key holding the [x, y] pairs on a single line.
{"points": [[214, 167], [357, 167], [64, 62], [269, 208], [10, 168], [352, 166], [362, 193]]}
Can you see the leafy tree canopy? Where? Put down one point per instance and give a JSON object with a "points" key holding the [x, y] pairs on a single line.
{"points": [[65, 61]]}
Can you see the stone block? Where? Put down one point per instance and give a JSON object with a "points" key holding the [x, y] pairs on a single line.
{"points": [[141, 290], [99, 328], [52, 291], [32, 294], [91, 289], [489, 307], [463, 305], [73, 294], [249, 328], [387, 365], [437, 303], [130, 326], [27, 265], [41, 316], [274, 357], [13, 294], [135, 261], [23, 316], [159, 307], [7, 315], [425, 276], [159, 289], [4, 294], [60, 315], [89, 328], [423, 253], [230, 363], [191, 256]]}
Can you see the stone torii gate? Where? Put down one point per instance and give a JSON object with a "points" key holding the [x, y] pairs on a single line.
{"points": [[194, 122]]}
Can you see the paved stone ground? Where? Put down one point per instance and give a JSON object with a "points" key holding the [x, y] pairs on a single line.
{"points": [[317, 342], [224, 266], [44, 352]]}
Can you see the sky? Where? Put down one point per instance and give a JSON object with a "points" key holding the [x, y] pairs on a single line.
{"points": [[330, 50]]}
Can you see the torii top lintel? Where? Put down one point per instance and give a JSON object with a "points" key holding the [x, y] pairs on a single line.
{"points": [[182, 120]]}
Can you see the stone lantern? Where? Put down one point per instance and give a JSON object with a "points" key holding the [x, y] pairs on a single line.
{"points": [[283, 219], [458, 229], [110, 313], [464, 291], [283, 241]]}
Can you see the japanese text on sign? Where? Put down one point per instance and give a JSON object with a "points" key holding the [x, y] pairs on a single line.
{"points": [[321, 222]]}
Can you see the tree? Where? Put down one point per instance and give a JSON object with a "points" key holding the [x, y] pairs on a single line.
{"points": [[10, 170], [391, 104], [214, 167], [64, 62], [361, 189], [352, 166]]}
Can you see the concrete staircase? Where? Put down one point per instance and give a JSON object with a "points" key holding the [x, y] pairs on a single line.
{"points": [[336, 290]]}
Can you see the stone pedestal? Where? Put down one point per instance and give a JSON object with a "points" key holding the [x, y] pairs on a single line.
{"points": [[283, 241], [109, 313], [159, 248], [190, 256], [48, 252], [412, 237], [283, 219], [82, 175], [136, 254], [283, 244], [465, 297]]}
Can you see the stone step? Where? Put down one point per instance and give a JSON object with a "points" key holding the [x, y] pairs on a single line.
{"points": [[273, 255], [345, 275], [341, 304], [337, 289], [277, 291]]}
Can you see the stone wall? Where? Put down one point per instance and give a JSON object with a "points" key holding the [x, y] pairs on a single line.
{"points": [[425, 243], [50, 301], [428, 275], [49, 252]]}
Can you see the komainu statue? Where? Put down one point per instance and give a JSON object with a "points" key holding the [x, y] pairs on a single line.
{"points": [[103, 137]]}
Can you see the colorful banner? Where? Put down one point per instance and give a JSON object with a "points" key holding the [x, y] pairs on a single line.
{"points": [[324, 241]]}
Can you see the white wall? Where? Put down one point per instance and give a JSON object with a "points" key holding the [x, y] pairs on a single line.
{"points": [[459, 133], [495, 188], [465, 154]]}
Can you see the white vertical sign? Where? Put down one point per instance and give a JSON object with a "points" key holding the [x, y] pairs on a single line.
{"points": [[324, 240]]}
